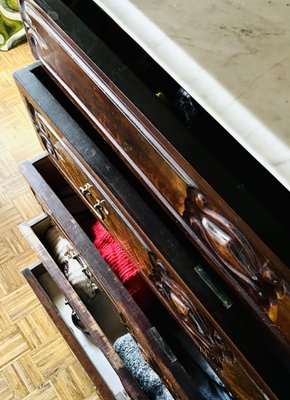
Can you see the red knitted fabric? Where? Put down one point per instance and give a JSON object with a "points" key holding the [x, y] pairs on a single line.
{"points": [[122, 265]]}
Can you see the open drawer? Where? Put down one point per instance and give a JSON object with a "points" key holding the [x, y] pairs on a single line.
{"points": [[196, 180], [105, 379], [225, 358], [113, 311], [102, 325]]}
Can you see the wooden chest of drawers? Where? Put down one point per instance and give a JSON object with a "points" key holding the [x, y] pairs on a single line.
{"points": [[193, 223]]}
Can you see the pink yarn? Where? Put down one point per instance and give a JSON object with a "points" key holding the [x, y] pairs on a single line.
{"points": [[121, 265], [112, 252]]}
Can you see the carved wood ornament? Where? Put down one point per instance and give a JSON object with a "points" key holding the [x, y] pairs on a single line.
{"points": [[252, 270], [232, 369], [41, 127], [205, 336]]}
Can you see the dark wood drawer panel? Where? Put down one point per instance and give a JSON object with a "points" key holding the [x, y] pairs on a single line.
{"points": [[248, 266], [204, 331]]}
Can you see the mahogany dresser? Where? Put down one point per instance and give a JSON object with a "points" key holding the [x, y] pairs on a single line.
{"points": [[206, 224]]}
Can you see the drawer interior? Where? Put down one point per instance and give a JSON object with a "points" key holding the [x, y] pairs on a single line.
{"points": [[238, 322], [100, 307], [244, 184], [93, 352]]}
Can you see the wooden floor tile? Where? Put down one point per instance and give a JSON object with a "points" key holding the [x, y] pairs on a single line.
{"points": [[7, 165], [70, 383], [20, 302], [10, 281], [12, 345], [51, 357], [3, 198], [5, 390], [15, 382], [46, 392], [93, 396], [23, 206], [5, 320], [37, 327], [6, 252], [22, 376], [13, 187], [9, 216], [13, 240]]}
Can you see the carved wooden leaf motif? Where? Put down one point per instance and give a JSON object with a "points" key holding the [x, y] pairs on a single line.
{"points": [[205, 336], [43, 128], [232, 248], [35, 40]]}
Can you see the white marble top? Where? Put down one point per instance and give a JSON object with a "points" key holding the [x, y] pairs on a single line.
{"points": [[232, 56]]}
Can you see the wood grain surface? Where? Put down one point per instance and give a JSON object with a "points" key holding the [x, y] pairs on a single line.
{"points": [[35, 362]]}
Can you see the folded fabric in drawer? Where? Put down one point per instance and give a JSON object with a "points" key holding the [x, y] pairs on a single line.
{"points": [[128, 350], [66, 257], [122, 265]]}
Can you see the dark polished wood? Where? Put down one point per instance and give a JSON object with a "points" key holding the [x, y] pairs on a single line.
{"points": [[246, 264]]}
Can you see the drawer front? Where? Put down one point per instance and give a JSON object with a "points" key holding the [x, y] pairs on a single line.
{"points": [[108, 110], [234, 251], [206, 334]]}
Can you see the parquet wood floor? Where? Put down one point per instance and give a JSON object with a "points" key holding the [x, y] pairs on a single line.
{"points": [[35, 361]]}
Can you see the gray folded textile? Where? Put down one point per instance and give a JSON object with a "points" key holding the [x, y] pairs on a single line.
{"points": [[208, 384], [148, 380]]}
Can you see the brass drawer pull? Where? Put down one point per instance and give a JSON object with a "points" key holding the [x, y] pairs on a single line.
{"points": [[85, 190], [99, 205], [220, 294], [101, 209]]}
